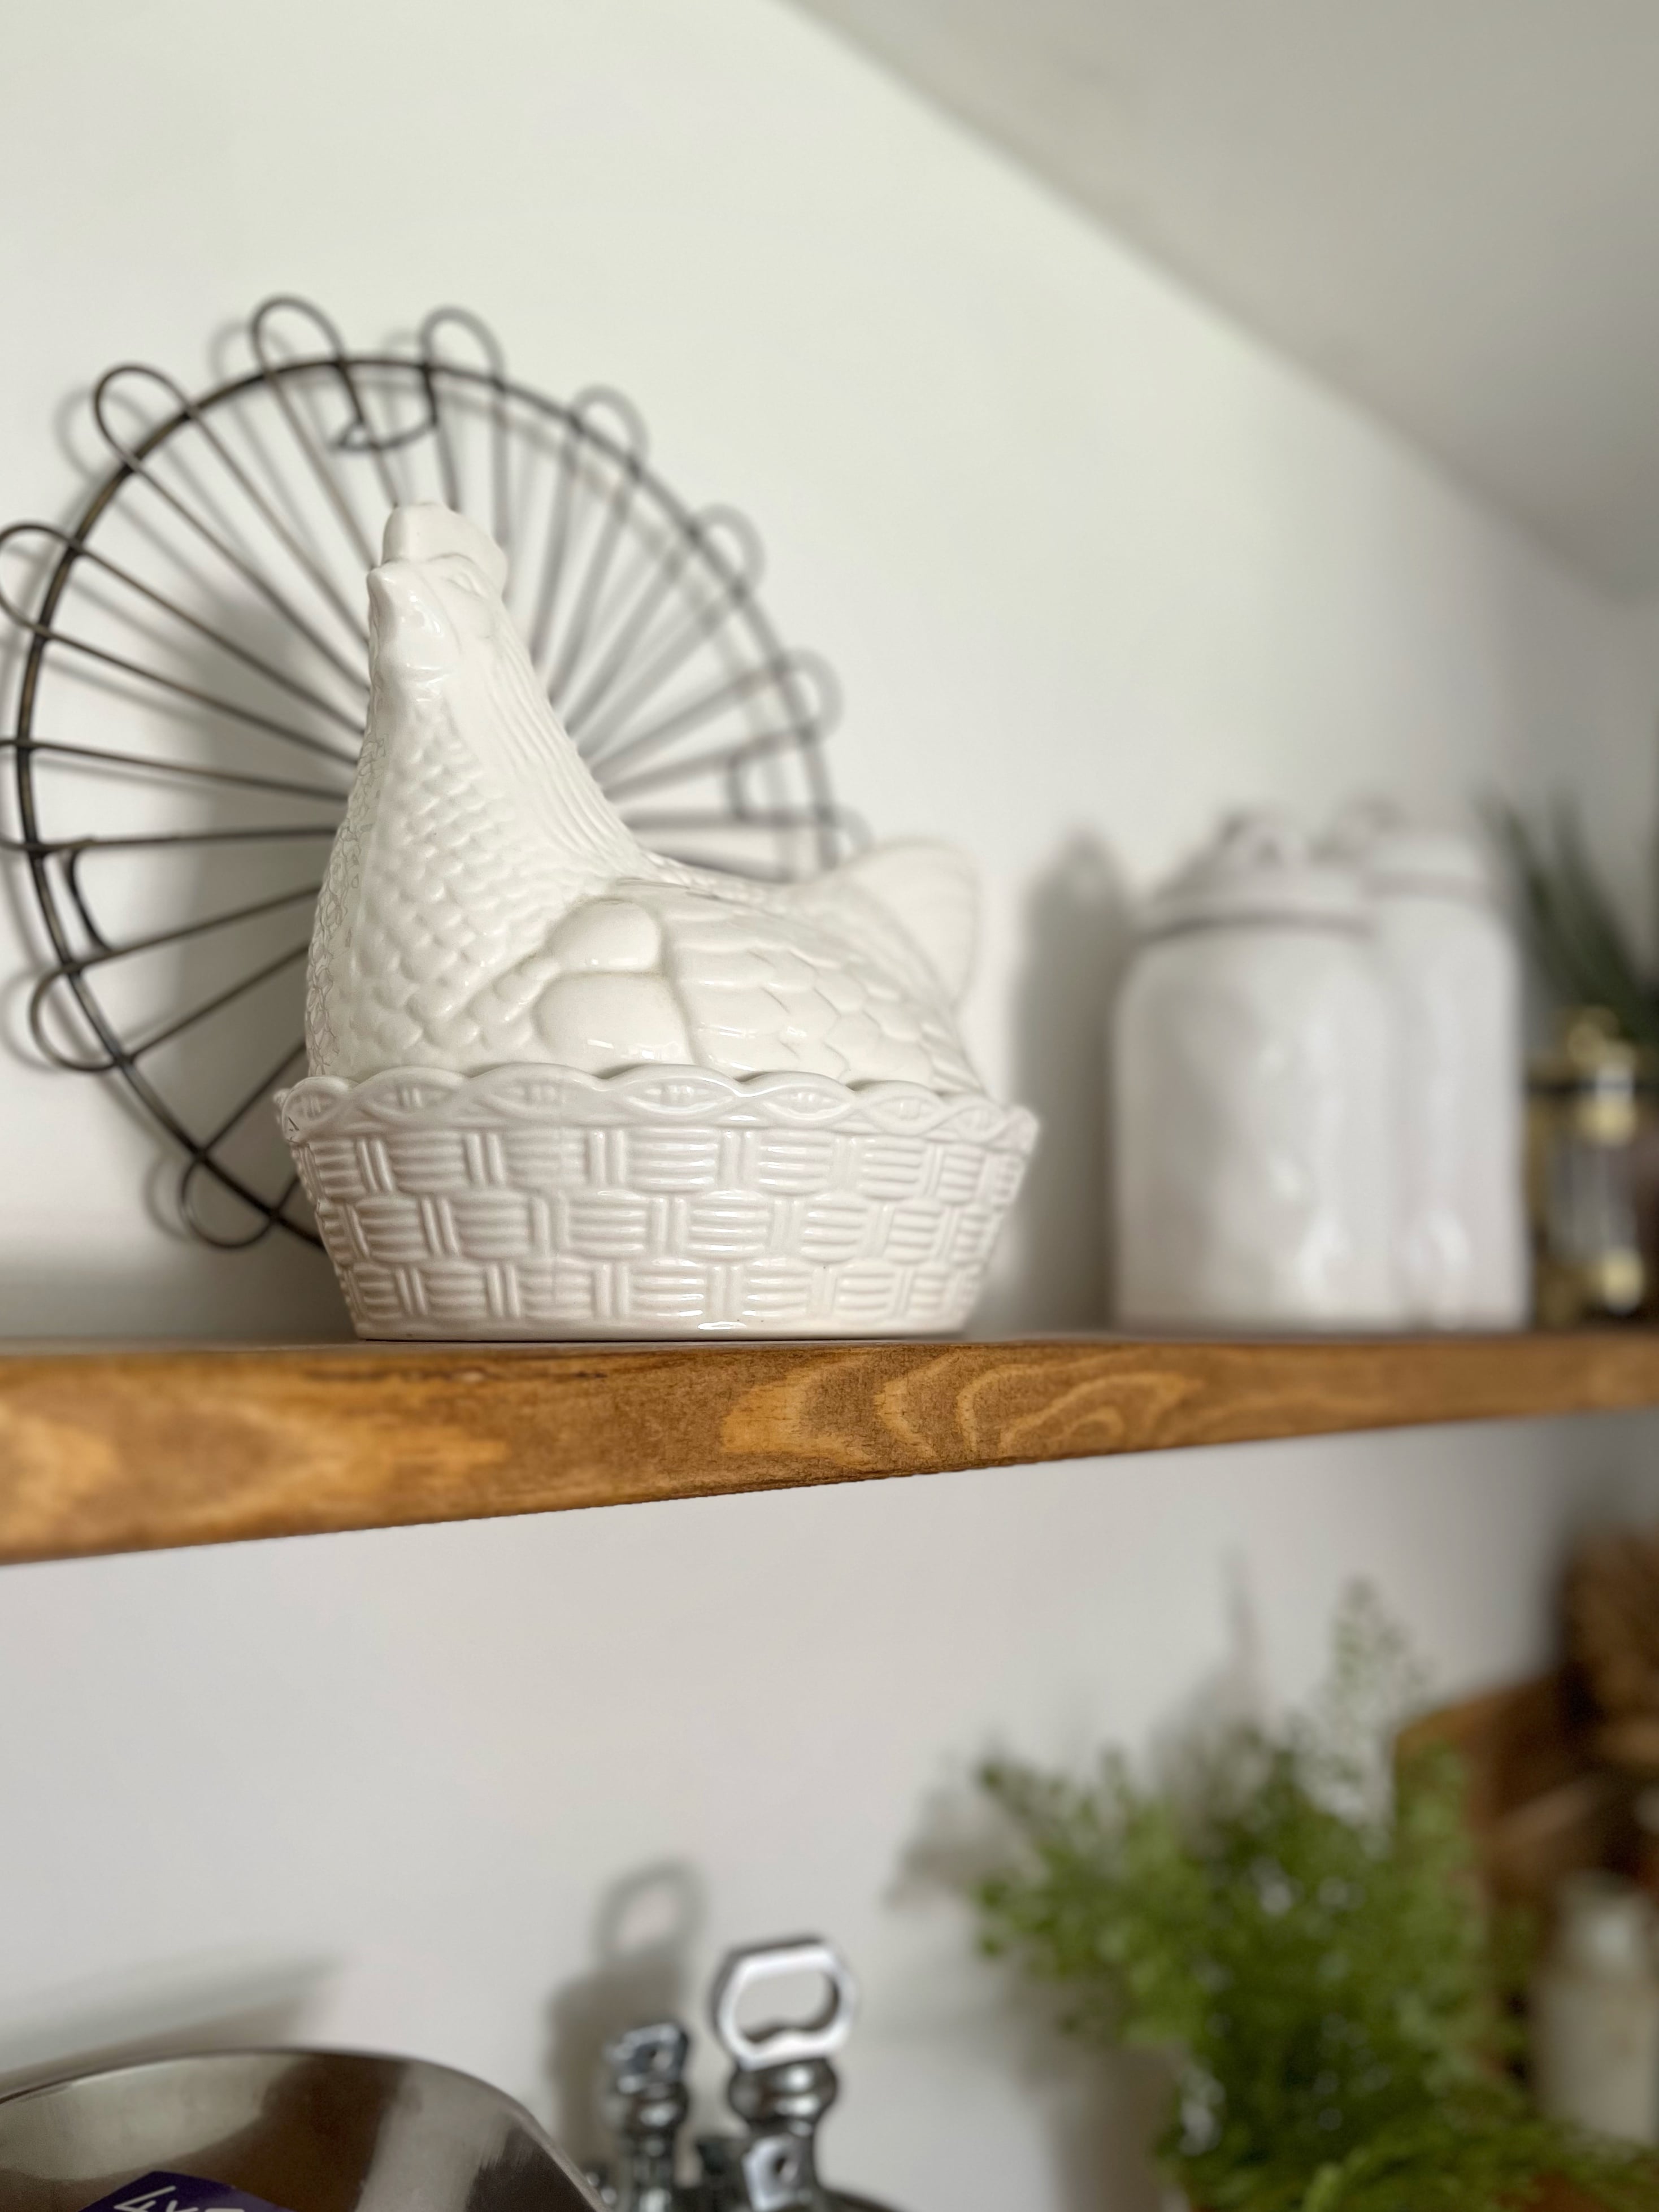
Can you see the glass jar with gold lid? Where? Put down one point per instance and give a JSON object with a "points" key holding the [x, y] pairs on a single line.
{"points": [[1587, 1109]]}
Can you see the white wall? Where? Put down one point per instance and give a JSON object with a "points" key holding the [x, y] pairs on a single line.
{"points": [[1092, 566]]}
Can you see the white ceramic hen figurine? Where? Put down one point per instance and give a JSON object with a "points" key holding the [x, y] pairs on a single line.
{"points": [[484, 903]]}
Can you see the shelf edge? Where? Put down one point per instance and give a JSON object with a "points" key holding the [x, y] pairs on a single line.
{"points": [[137, 1448]]}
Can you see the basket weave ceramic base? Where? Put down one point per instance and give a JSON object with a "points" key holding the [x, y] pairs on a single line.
{"points": [[535, 1203]]}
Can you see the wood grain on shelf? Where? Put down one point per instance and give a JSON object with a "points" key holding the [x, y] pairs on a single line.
{"points": [[109, 1450]]}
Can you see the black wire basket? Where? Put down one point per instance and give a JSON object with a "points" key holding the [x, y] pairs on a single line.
{"points": [[194, 672]]}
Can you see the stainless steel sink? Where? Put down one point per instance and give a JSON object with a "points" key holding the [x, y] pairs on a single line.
{"points": [[307, 2130]]}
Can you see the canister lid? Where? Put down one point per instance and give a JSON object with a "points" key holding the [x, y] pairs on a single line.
{"points": [[1595, 1072], [1394, 854], [1257, 868]]}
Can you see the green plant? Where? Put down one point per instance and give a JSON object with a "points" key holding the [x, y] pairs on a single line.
{"points": [[1314, 1947], [1580, 945]]}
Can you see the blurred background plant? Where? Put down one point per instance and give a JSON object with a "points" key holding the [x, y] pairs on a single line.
{"points": [[1313, 1944], [1581, 948]]}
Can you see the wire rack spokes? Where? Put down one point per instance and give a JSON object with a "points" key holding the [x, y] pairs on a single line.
{"points": [[194, 675]]}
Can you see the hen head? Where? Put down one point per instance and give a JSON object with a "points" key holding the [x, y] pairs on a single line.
{"points": [[436, 598]]}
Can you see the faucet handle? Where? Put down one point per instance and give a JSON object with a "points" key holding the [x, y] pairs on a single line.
{"points": [[783, 2043], [642, 2061], [644, 2101]]}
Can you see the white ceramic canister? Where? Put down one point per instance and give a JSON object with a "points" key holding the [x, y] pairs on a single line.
{"points": [[1453, 972], [1252, 1072], [1595, 2011]]}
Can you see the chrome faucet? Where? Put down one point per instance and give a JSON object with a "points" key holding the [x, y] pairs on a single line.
{"points": [[782, 2085]]}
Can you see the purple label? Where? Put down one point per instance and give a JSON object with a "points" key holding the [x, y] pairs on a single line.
{"points": [[179, 2192]]}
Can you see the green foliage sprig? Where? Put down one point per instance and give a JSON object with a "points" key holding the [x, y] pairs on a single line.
{"points": [[1315, 1949], [1581, 947]]}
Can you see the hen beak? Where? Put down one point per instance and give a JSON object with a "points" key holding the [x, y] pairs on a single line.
{"points": [[392, 592], [406, 625]]}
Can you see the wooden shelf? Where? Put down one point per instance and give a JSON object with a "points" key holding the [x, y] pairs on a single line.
{"points": [[105, 1450]]}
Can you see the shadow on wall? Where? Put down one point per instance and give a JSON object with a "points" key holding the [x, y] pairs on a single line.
{"points": [[198, 933], [1054, 1270], [283, 1290], [1107, 2109], [646, 1927], [1102, 2110], [164, 2012]]}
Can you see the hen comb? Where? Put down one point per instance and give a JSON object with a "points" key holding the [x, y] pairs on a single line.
{"points": [[426, 530]]}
